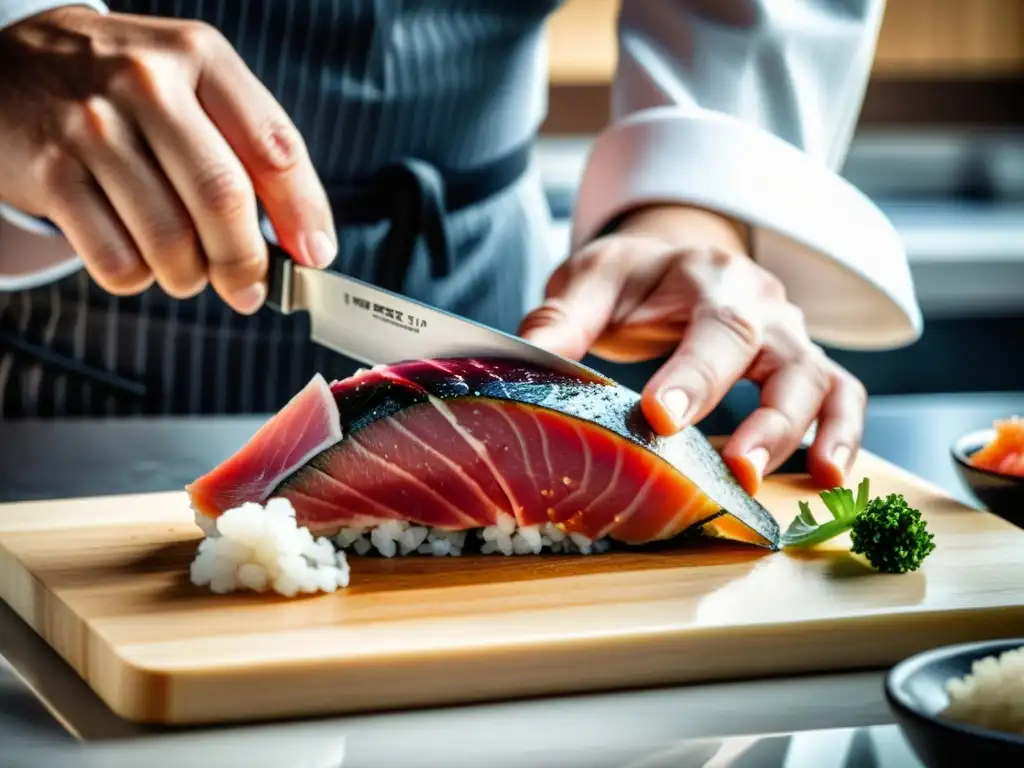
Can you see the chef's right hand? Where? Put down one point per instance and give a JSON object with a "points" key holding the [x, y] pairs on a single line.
{"points": [[148, 141]]}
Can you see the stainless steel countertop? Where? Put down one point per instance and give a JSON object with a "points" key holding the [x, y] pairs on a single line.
{"points": [[48, 717]]}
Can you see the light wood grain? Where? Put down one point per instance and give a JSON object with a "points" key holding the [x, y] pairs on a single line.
{"points": [[105, 582], [918, 38], [582, 45], [976, 38]]}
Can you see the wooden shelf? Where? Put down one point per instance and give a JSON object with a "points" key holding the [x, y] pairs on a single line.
{"points": [[919, 38], [581, 42], [951, 38]]}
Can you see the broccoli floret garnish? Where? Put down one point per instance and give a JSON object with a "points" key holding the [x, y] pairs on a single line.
{"points": [[888, 532], [891, 535]]}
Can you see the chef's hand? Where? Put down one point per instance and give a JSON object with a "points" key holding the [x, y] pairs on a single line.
{"points": [[148, 141], [678, 280]]}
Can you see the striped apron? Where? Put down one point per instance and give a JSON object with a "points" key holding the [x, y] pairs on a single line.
{"points": [[370, 83]]}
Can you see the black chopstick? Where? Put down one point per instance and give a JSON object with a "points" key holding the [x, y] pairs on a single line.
{"points": [[64, 364]]}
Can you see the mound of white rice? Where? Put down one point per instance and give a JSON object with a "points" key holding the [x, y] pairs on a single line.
{"points": [[992, 695], [259, 548]]}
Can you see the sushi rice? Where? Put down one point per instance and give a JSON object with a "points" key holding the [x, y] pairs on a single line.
{"points": [[260, 548], [397, 537], [992, 695]]}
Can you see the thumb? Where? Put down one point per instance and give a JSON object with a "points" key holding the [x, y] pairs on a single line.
{"points": [[579, 302]]}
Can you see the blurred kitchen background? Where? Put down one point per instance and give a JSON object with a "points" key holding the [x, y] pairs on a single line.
{"points": [[939, 147]]}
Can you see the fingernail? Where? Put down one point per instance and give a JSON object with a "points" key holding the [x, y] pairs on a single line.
{"points": [[841, 457], [758, 459], [248, 300], [677, 403], [318, 249]]}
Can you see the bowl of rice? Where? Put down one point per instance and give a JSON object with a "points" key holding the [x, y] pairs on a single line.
{"points": [[962, 705]]}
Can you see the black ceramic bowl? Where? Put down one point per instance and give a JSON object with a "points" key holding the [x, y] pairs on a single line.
{"points": [[1002, 495], [916, 691]]}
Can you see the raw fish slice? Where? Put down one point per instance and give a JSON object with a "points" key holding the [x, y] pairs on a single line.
{"points": [[658, 496], [565, 441], [320, 497], [481, 421], [324, 497], [606, 506], [435, 428], [456, 444], [533, 438], [597, 481], [395, 483], [402, 450], [307, 425], [1005, 453]]}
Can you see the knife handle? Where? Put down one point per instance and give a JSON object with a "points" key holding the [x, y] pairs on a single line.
{"points": [[279, 280]]}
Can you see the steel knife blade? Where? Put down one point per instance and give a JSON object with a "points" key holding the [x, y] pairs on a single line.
{"points": [[377, 327]]}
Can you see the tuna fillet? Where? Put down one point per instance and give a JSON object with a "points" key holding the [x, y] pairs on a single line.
{"points": [[458, 444]]}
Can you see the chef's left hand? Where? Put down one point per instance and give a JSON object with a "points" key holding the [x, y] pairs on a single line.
{"points": [[678, 281]]}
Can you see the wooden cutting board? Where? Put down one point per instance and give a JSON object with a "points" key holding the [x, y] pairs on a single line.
{"points": [[105, 582]]}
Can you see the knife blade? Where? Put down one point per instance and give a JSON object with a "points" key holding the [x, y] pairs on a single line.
{"points": [[377, 327]]}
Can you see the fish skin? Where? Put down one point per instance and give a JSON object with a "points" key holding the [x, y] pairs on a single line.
{"points": [[387, 392]]}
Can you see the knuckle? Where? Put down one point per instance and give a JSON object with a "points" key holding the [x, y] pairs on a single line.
{"points": [[125, 285], [587, 260], [121, 285], [788, 337], [704, 271], [278, 145], [719, 258], [740, 322], [60, 174], [815, 356], [170, 234], [548, 313], [602, 260], [171, 247], [710, 258], [814, 367], [239, 267], [137, 76], [559, 279], [222, 192], [184, 286], [90, 122], [117, 265], [812, 362], [197, 38]]}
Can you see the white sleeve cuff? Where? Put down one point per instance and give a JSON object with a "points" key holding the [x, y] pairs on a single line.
{"points": [[32, 254], [841, 260], [13, 11]]}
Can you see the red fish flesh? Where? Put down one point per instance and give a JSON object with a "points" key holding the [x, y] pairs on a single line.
{"points": [[463, 444]]}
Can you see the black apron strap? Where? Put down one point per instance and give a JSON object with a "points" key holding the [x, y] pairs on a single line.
{"points": [[416, 198], [417, 210]]}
